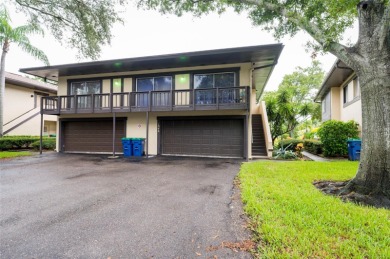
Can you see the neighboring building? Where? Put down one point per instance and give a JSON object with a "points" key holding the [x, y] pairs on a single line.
{"points": [[340, 95], [22, 106], [193, 104]]}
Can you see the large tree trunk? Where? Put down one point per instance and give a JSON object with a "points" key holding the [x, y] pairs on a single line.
{"points": [[373, 176], [372, 65]]}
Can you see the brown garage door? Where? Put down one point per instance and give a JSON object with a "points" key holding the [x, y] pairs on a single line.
{"points": [[203, 137], [91, 136]]}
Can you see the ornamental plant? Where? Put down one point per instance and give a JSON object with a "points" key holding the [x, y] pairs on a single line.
{"points": [[334, 135]]}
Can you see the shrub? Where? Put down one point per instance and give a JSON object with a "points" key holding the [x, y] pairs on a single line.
{"points": [[284, 153], [334, 136], [47, 143], [18, 142], [287, 142], [313, 146]]}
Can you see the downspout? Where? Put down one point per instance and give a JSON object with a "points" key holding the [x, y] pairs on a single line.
{"points": [[147, 135], [113, 135], [40, 132], [261, 67]]}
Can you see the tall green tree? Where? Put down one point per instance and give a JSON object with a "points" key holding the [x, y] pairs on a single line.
{"points": [[325, 21], [84, 25], [19, 37], [292, 104]]}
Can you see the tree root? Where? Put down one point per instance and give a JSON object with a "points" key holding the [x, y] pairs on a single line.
{"points": [[347, 192]]}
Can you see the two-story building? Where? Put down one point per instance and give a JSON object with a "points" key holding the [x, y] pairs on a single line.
{"points": [[22, 106], [200, 103], [340, 95]]}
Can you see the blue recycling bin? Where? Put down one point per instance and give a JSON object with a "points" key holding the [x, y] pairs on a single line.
{"points": [[354, 149], [127, 147], [138, 146]]}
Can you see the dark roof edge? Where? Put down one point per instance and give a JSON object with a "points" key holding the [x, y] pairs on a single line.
{"points": [[155, 57], [324, 87]]}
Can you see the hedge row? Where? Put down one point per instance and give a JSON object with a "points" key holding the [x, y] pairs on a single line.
{"points": [[18, 142], [313, 146]]}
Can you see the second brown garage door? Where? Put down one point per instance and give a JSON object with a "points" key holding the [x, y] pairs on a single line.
{"points": [[202, 137], [91, 136]]}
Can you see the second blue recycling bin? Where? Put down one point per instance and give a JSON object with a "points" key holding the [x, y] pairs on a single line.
{"points": [[354, 148], [138, 146], [127, 147]]}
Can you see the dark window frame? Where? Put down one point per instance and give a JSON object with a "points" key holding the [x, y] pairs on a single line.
{"points": [[147, 77], [206, 74], [345, 94], [235, 70], [84, 80]]}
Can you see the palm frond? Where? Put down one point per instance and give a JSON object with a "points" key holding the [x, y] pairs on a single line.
{"points": [[33, 51]]}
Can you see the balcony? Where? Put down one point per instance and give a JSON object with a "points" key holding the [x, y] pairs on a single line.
{"points": [[231, 98]]}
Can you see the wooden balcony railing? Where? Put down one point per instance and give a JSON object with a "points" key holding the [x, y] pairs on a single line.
{"points": [[237, 98]]}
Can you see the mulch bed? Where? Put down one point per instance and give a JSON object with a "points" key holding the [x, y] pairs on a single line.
{"points": [[338, 189]]}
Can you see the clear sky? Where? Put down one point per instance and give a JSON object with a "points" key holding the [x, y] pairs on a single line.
{"points": [[146, 33]]}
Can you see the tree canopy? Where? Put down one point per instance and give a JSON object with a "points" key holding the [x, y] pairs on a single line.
{"points": [[84, 25], [292, 103]]}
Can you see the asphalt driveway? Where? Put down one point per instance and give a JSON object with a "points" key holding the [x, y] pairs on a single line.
{"points": [[82, 206]]}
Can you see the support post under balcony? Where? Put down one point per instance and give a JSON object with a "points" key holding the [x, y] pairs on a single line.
{"points": [[40, 132]]}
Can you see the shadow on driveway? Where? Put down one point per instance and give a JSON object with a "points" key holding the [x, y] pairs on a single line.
{"points": [[87, 206]]}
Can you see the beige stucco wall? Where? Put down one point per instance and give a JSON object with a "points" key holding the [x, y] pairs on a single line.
{"points": [[352, 109], [21, 103], [335, 103], [33, 126], [17, 101]]}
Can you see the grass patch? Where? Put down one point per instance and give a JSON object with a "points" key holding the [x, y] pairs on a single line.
{"points": [[291, 218], [9, 154]]}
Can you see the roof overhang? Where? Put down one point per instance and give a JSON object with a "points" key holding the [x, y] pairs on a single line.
{"points": [[29, 83], [261, 55], [338, 74]]}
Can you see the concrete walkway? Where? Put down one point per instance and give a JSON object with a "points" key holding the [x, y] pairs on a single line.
{"points": [[314, 157]]}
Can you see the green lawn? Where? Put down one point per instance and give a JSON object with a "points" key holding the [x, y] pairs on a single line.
{"points": [[8, 154], [291, 218]]}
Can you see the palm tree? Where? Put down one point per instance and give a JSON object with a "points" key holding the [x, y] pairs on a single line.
{"points": [[18, 36]]}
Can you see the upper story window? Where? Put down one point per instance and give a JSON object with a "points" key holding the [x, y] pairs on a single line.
{"points": [[326, 104], [214, 80], [161, 83], [85, 87], [146, 84], [345, 94], [351, 91], [356, 88]]}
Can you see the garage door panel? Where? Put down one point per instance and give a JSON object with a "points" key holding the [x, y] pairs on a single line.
{"points": [[92, 136], [203, 137]]}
